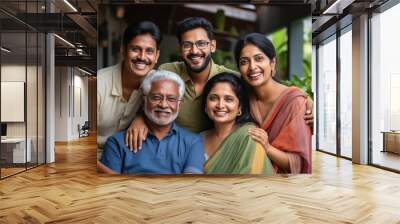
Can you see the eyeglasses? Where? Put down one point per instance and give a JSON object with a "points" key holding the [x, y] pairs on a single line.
{"points": [[156, 99], [200, 44]]}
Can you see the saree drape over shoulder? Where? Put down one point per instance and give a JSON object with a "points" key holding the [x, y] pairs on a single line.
{"points": [[239, 154], [287, 130]]}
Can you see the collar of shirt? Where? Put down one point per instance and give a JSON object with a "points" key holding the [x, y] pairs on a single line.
{"points": [[173, 130], [186, 77], [117, 80]]}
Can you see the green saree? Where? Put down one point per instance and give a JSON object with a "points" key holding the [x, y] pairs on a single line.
{"points": [[239, 154]]}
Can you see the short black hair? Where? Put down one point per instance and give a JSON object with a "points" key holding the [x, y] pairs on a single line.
{"points": [[238, 88], [193, 23], [140, 28], [258, 40]]}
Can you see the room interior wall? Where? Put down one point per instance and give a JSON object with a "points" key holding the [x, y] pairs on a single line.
{"points": [[15, 72], [61, 103], [80, 109], [71, 102], [33, 126]]}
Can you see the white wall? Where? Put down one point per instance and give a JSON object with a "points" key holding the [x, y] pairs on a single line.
{"points": [[12, 73], [70, 83], [79, 117], [33, 127], [61, 103]]}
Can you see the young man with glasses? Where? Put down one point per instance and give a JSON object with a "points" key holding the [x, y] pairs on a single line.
{"points": [[168, 149], [196, 44]]}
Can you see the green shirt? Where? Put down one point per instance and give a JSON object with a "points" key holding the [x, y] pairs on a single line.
{"points": [[191, 114]]}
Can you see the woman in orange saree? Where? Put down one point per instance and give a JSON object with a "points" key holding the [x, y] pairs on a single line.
{"points": [[277, 109]]}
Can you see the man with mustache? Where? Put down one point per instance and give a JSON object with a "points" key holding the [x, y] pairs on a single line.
{"points": [[168, 149], [118, 95], [196, 44]]}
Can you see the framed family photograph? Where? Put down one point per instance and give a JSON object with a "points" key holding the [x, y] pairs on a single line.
{"points": [[204, 89]]}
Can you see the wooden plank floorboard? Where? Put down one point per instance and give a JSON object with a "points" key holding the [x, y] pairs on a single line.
{"points": [[71, 191]]}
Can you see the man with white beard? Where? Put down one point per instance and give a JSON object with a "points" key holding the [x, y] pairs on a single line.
{"points": [[170, 149]]}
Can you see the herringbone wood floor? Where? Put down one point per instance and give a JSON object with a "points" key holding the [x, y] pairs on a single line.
{"points": [[70, 191]]}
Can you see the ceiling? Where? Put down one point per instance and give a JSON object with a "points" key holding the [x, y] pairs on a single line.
{"points": [[330, 15], [76, 24], [264, 2]]}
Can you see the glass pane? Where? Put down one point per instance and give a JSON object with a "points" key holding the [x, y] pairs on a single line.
{"points": [[31, 98], [41, 99], [314, 87], [327, 97], [385, 86], [32, 84], [13, 86], [346, 94]]}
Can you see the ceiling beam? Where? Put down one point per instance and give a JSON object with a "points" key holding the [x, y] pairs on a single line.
{"points": [[84, 24]]}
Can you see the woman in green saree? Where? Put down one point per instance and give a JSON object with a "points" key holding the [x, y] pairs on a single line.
{"points": [[228, 146]]}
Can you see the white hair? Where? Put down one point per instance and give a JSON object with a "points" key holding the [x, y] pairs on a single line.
{"points": [[157, 75]]}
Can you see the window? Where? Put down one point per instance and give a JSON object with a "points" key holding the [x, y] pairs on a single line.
{"points": [[385, 88], [346, 93], [326, 105], [22, 74]]}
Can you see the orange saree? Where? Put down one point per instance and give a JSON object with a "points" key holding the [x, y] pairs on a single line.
{"points": [[287, 130]]}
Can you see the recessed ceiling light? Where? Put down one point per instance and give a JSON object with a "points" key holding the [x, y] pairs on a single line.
{"points": [[65, 41], [5, 50], [84, 71], [337, 7], [70, 5]]}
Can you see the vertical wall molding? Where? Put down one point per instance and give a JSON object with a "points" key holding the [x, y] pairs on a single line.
{"points": [[360, 90], [338, 99], [50, 98]]}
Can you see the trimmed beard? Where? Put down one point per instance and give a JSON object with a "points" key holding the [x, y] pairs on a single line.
{"points": [[153, 118], [201, 68]]}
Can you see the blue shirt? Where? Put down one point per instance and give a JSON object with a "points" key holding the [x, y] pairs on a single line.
{"points": [[181, 151]]}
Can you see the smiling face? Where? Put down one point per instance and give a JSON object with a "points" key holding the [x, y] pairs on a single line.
{"points": [[161, 105], [140, 55], [255, 67], [196, 49], [222, 104]]}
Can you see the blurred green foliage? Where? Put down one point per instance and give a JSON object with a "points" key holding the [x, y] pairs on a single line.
{"points": [[220, 20], [303, 83], [225, 58], [280, 42]]}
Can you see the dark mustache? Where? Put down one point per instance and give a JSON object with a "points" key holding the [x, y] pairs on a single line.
{"points": [[147, 62], [196, 55]]}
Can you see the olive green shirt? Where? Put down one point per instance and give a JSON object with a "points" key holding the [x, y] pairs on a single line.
{"points": [[191, 114]]}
